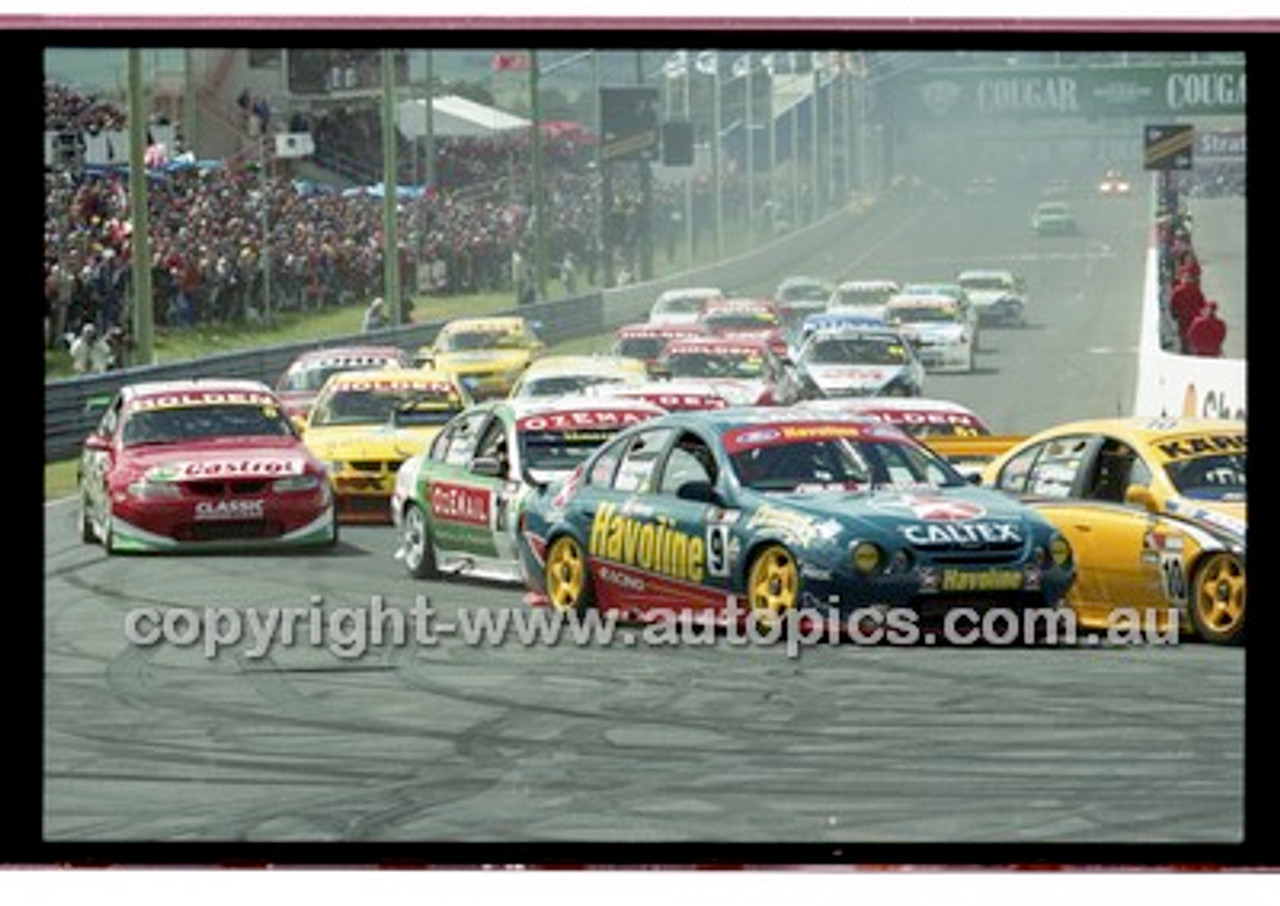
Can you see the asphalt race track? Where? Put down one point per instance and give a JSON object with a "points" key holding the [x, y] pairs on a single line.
{"points": [[647, 743]]}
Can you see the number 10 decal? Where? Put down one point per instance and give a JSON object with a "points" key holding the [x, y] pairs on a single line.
{"points": [[718, 550]]}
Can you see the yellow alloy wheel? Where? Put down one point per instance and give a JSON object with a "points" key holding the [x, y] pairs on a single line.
{"points": [[567, 582], [1217, 603], [773, 584]]}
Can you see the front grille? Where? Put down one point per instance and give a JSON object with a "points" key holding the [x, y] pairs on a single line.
{"points": [[984, 553], [230, 530], [222, 488], [365, 504], [367, 465]]}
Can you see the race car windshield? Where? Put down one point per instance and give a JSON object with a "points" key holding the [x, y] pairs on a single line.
{"points": [[562, 385], [1219, 477], [736, 321], [981, 283], [824, 464], [681, 305], [185, 423], [925, 314], [313, 378], [857, 297], [482, 339], [647, 348], [714, 365], [376, 407], [861, 351], [559, 451]]}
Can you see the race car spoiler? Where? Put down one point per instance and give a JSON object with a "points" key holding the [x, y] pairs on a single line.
{"points": [[973, 450]]}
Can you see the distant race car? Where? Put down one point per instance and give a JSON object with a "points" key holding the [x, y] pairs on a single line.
{"points": [[1053, 218], [745, 319], [938, 329], [867, 297], [201, 465], [682, 305], [861, 361], [798, 297], [749, 366], [302, 379], [1113, 185], [781, 510], [832, 320], [364, 424], [455, 504], [955, 290], [647, 341], [487, 354], [998, 296], [561, 375], [1155, 509]]}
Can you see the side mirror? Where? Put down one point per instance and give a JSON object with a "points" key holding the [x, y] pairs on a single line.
{"points": [[97, 443], [299, 421], [659, 372], [1140, 495], [700, 492], [487, 466]]}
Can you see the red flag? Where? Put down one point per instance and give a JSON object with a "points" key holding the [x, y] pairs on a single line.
{"points": [[510, 62]]}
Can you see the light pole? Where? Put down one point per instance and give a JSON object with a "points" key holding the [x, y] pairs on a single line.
{"points": [[142, 323], [390, 183]]}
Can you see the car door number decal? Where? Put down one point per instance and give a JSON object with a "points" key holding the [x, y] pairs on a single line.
{"points": [[1173, 577], [718, 550]]}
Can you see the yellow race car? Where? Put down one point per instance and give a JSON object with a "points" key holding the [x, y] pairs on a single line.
{"points": [[1154, 509], [487, 354], [364, 424], [559, 375]]}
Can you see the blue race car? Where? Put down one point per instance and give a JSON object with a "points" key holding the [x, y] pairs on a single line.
{"points": [[775, 510]]}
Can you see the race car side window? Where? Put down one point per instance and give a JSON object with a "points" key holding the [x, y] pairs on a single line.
{"points": [[690, 460], [1054, 472], [454, 445], [635, 472], [493, 444], [1013, 477]]}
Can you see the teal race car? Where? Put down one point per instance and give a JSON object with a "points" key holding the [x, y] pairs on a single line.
{"points": [[775, 510], [454, 504]]}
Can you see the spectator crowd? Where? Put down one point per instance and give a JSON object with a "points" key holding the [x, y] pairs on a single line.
{"points": [[216, 230]]}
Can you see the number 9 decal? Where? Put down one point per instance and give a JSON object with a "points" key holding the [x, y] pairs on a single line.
{"points": [[718, 550]]}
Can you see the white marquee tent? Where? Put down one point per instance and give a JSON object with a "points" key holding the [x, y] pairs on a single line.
{"points": [[455, 116]]}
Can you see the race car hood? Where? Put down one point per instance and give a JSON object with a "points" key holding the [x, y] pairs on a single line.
{"points": [[960, 518], [344, 442], [474, 361], [935, 333], [861, 380], [984, 298], [223, 458], [1224, 516]]}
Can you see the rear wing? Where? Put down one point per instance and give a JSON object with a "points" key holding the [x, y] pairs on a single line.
{"points": [[972, 453]]}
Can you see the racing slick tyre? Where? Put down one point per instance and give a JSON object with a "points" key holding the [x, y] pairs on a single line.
{"points": [[87, 533], [567, 580], [415, 539], [1218, 599], [773, 586]]}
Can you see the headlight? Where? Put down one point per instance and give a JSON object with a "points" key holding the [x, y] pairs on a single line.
{"points": [[154, 490], [1059, 550], [866, 557], [295, 483]]}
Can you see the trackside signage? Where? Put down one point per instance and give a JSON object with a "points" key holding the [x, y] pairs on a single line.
{"points": [[1177, 89]]}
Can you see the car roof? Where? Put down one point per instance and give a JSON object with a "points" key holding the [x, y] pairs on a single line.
{"points": [[577, 402], [345, 352], [1144, 429], [650, 329], [977, 273], [740, 303], [721, 420], [680, 292], [403, 376], [496, 322], [865, 284], [716, 344], [145, 389], [585, 363], [923, 300]]}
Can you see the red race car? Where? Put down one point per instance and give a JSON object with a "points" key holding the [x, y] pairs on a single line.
{"points": [[646, 341], [746, 319], [201, 464], [746, 371], [302, 380]]}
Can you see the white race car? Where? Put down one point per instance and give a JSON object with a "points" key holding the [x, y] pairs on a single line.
{"points": [[866, 297], [860, 361], [938, 329], [998, 296], [683, 305]]}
